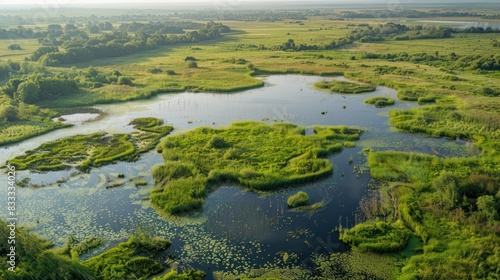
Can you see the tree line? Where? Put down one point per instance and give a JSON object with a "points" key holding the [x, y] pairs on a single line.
{"points": [[120, 42]]}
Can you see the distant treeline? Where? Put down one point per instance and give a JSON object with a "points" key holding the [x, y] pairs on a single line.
{"points": [[82, 48]]}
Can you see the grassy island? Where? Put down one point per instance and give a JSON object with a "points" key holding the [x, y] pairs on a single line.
{"points": [[97, 149], [251, 154], [344, 87], [380, 101]]}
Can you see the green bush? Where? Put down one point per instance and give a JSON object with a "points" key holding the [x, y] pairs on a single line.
{"points": [[380, 101], [345, 87], [379, 237]]}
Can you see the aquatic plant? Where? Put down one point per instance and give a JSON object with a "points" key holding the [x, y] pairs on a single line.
{"points": [[299, 199]]}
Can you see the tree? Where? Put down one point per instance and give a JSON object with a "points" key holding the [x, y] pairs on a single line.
{"points": [[27, 92], [124, 80], [15, 47], [9, 113]]}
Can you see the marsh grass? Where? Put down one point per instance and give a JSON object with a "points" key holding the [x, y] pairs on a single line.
{"points": [[85, 151], [344, 87], [379, 237], [299, 199], [250, 154], [13, 132], [132, 259], [380, 101]]}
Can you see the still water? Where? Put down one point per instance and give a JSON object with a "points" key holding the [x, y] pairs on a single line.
{"points": [[237, 230]]}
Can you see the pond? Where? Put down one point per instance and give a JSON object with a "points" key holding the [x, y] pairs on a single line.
{"points": [[237, 230]]}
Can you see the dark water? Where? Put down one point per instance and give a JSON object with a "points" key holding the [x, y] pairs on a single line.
{"points": [[236, 230]]}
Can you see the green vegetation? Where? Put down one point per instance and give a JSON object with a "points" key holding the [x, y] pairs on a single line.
{"points": [[450, 204], [345, 87], [21, 130], [186, 275], [380, 101], [137, 258], [132, 259], [377, 237], [86, 151], [298, 199], [74, 249], [34, 260], [253, 155]]}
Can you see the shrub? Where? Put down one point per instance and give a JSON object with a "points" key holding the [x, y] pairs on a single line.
{"points": [[124, 80], [299, 199], [192, 64], [15, 47], [380, 101]]}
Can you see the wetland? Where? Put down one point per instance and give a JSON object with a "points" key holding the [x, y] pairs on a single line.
{"points": [[251, 144]]}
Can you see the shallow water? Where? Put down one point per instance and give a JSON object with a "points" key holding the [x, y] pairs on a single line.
{"points": [[237, 230]]}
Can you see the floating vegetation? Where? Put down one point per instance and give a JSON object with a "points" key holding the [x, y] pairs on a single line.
{"points": [[345, 87], [86, 151], [380, 101], [254, 155]]}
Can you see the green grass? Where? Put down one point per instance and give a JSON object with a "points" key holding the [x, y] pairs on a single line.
{"points": [[28, 46], [85, 151], [344, 87], [299, 199], [379, 237], [13, 132], [380, 101], [133, 259], [35, 260], [250, 154]]}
